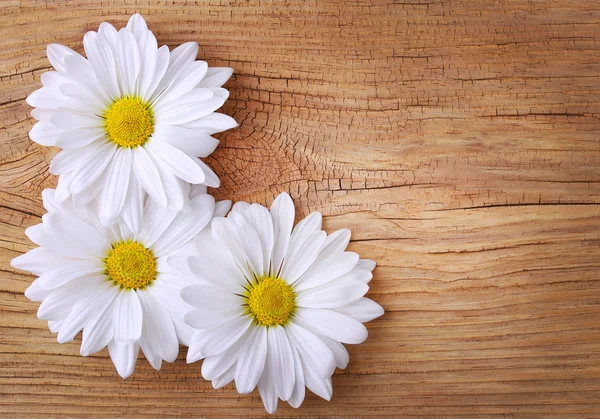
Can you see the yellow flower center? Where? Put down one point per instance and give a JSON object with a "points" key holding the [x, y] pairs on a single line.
{"points": [[129, 122], [271, 301], [130, 265]]}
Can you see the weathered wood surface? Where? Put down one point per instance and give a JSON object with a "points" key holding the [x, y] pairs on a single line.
{"points": [[459, 140]]}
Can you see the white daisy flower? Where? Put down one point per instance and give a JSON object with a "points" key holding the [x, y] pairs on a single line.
{"points": [[131, 117], [276, 304], [113, 283]]}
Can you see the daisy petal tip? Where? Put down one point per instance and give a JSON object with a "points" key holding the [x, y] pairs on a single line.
{"points": [[29, 294], [194, 356]]}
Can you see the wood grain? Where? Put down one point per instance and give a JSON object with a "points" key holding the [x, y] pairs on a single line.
{"points": [[459, 140]]}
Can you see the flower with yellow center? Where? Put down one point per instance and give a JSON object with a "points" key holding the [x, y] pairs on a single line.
{"points": [[114, 284], [132, 119], [130, 265], [129, 122], [274, 304]]}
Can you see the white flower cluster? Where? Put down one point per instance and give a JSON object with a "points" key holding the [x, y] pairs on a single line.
{"points": [[135, 254]]}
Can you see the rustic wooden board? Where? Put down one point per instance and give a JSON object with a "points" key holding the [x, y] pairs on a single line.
{"points": [[459, 140]]}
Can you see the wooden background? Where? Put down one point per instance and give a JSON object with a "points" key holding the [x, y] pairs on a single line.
{"points": [[459, 140]]}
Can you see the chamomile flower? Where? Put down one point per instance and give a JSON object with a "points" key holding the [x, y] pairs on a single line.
{"points": [[114, 283], [131, 117], [275, 305]]}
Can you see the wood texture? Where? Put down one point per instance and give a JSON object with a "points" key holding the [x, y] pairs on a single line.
{"points": [[459, 140]]}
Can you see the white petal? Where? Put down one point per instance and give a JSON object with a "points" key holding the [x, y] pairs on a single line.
{"points": [[115, 189], [251, 362], [127, 62], [336, 243], [148, 176], [84, 198], [56, 54], [68, 160], [215, 366], [267, 390], [339, 352], [327, 270], [320, 386], [91, 168], [313, 352], [224, 379], [48, 98], [182, 113], [127, 317], [363, 310], [196, 190], [299, 261], [215, 341], [54, 325], [58, 304], [191, 142], [155, 221], [213, 262], [334, 325], [150, 351], [207, 297], [336, 294], [194, 352], [212, 123], [102, 60], [216, 77], [366, 264], [209, 318], [178, 62], [79, 98], [109, 33], [183, 331], [298, 393], [80, 232], [222, 208], [211, 178], [240, 206], [159, 326], [356, 274], [58, 277], [248, 240], [184, 83], [98, 330], [49, 199], [98, 299], [133, 208], [123, 356], [58, 242], [39, 260], [281, 362], [44, 133], [148, 62], [225, 232], [172, 186], [185, 226], [70, 120], [161, 64], [78, 138], [79, 69], [61, 193], [35, 292], [282, 212], [303, 232], [180, 164], [137, 26], [260, 218]]}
